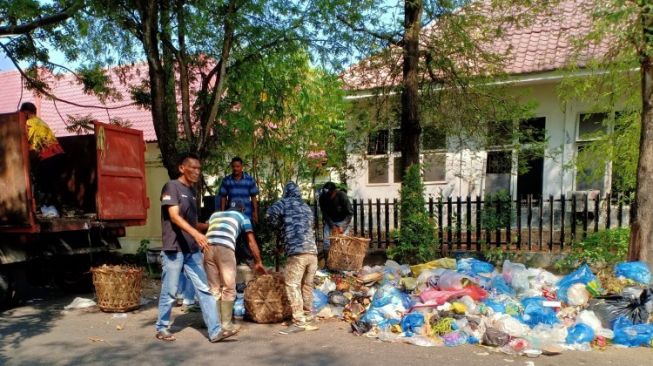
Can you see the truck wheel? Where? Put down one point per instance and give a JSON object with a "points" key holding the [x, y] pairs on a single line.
{"points": [[74, 277]]}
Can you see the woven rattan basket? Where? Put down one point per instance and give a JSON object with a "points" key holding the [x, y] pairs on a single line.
{"points": [[347, 253], [266, 300], [117, 288]]}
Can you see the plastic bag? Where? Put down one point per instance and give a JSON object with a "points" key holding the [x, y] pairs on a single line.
{"points": [[509, 325], [633, 303], [500, 286], [636, 271], [320, 300], [449, 263], [451, 280], [543, 335], [582, 275], [337, 298], [536, 313], [627, 334], [454, 339], [473, 266], [495, 338], [496, 306], [577, 295], [391, 295], [411, 323], [422, 341], [580, 333], [239, 307], [588, 317], [432, 296], [516, 275]]}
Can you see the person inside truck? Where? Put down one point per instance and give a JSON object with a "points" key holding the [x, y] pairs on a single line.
{"points": [[47, 158]]}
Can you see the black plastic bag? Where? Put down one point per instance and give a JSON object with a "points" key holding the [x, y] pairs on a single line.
{"points": [[495, 338], [634, 303]]}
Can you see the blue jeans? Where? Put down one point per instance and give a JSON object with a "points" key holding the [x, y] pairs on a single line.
{"points": [[186, 290], [328, 229], [192, 266]]}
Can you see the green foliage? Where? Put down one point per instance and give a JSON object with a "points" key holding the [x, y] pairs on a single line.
{"points": [[498, 210], [416, 236], [600, 249], [496, 255]]}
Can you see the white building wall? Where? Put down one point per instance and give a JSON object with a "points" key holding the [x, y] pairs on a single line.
{"points": [[465, 173]]}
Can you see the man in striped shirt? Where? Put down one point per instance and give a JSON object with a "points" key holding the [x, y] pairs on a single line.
{"points": [[220, 257]]}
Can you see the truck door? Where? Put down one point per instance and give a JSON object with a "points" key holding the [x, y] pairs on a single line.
{"points": [[16, 202], [121, 193]]}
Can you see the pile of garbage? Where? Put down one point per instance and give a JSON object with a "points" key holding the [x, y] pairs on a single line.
{"points": [[516, 310]]}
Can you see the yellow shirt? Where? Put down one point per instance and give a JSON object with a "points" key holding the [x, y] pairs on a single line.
{"points": [[41, 138]]}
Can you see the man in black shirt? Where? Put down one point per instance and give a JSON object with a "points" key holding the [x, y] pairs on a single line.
{"points": [[182, 244], [336, 212]]}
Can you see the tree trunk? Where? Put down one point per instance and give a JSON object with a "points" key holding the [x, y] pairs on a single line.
{"points": [[641, 236], [165, 123], [410, 123]]}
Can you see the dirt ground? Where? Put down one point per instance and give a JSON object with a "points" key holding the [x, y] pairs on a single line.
{"points": [[43, 333]]}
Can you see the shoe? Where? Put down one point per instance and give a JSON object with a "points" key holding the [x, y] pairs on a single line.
{"points": [[307, 326], [224, 334]]}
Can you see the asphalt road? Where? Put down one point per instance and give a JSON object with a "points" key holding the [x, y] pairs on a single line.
{"points": [[42, 333]]}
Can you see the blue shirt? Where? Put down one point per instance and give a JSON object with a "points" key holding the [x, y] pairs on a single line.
{"points": [[242, 189], [226, 226]]}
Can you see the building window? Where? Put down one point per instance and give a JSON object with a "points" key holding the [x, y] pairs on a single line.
{"points": [[434, 139], [532, 130], [590, 128], [435, 167], [378, 143], [396, 140], [377, 170], [497, 171]]}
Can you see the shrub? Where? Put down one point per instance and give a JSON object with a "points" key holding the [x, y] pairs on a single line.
{"points": [[416, 235], [600, 249], [497, 210]]}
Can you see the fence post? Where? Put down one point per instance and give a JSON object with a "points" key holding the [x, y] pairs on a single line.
{"points": [[362, 215], [529, 217], [573, 218], [449, 209], [621, 210], [509, 226], [431, 207], [498, 228], [387, 223], [540, 216], [468, 223], [395, 213], [370, 220], [459, 219], [478, 223], [597, 212], [551, 222], [563, 201], [355, 208], [585, 214], [378, 223], [440, 221], [519, 225]]}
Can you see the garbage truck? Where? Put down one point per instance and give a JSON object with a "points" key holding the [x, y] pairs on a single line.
{"points": [[105, 190]]}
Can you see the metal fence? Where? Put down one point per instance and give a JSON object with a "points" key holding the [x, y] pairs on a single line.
{"points": [[471, 223]]}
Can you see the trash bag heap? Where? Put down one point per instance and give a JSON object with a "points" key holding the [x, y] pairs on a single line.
{"points": [[515, 310]]}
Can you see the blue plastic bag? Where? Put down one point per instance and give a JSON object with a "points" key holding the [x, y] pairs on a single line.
{"points": [[579, 333], [636, 271], [411, 323], [582, 275], [500, 285], [627, 334], [535, 313], [239, 307], [320, 300], [473, 266], [496, 306], [374, 317], [391, 295]]}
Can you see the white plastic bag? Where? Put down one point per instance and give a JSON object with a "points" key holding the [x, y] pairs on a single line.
{"points": [[577, 295], [509, 325], [590, 319]]}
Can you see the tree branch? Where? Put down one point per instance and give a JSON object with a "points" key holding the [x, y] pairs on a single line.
{"points": [[384, 37], [42, 22]]}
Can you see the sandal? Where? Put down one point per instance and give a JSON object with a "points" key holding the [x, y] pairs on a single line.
{"points": [[224, 334], [165, 335]]}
